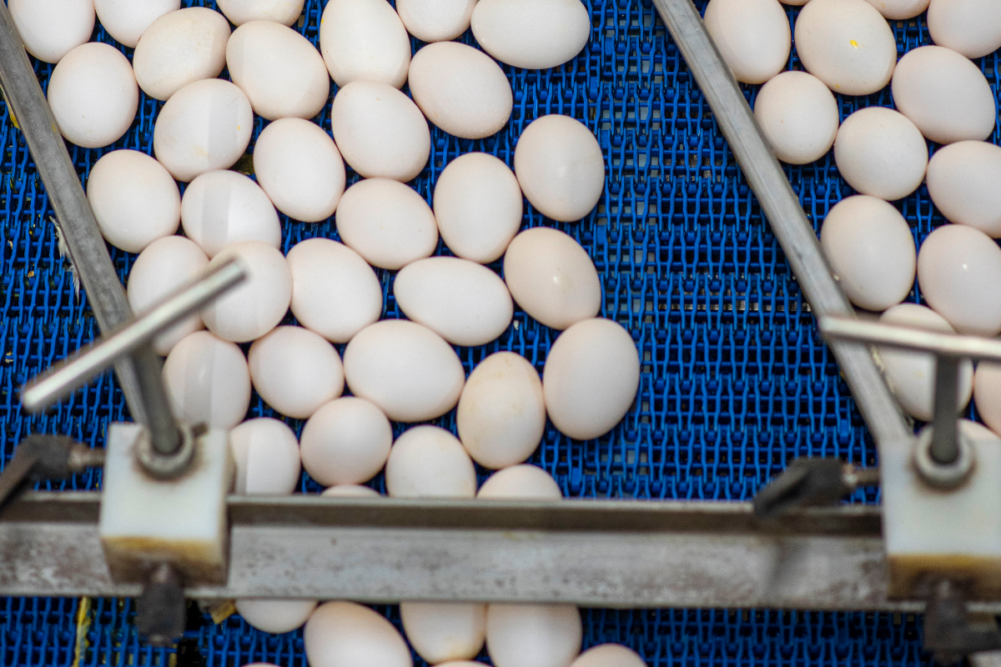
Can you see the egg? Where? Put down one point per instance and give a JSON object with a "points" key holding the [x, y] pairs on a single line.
{"points": [[971, 27], [282, 74], [93, 95], [435, 20], [552, 278], [533, 34], [987, 394], [387, 223], [429, 462], [798, 116], [461, 89], [879, 152], [406, 369], [50, 29], [258, 304], [300, 169], [560, 167], [267, 458], [207, 381], [221, 208], [345, 634], [334, 291], [961, 182], [295, 371], [590, 379], [134, 199], [346, 441], [609, 655], [502, 412], [478, 206], [380, 131], [160, 271], [911, 375], [463, 302], [899, 10], [239, 12], [275, 616], [180, 48], [525, 635], [204, 126], [847, 44], [521, 482], [753, 36], [127, 20], [444, 631], [944, 94], [350, 491], [364, 40], [871, 251], [959, 268]]}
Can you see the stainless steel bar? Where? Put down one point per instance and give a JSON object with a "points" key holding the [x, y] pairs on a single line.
{"points": [[72, 373], [139, 375], [890, 335], [945, 434], [782, 208]]}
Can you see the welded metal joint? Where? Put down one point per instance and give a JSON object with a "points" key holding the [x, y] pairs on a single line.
{"points": [[812, 482], [943, 475]]}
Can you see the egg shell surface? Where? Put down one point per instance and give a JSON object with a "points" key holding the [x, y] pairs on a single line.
{"points": [[267, 457], [180, 48], [224, 207], [533, 34], [429, 462], [207, 381]]}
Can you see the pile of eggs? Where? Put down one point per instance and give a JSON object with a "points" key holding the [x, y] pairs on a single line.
{"points": [[397, 370], [941, 96]]}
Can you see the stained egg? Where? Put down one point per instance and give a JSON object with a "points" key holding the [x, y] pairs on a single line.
{"points": [[444, 631], [880, 152], [753, 36], [798, 115], [962, 179], [345, 634], [429, 462]]}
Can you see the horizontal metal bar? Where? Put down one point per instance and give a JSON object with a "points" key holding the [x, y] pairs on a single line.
{"points": [[891, 335], [592, 553]]}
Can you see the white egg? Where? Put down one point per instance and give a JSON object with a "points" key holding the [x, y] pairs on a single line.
{"points": [[478, 206], [207, 381], [50, 29], [204, 126], [406, 369], [911, 375], [429, 462], [346, 441], [590, 379], [345, 634], [350, 491], [282, 74], [160, 270], [753, 36], [334, 291], [609, 655], [527, 635], [959, 268], [444, 631], [521, 482], [267, 458], [798, 115], [461, 89], [299, 167], [962, 180], [552, 278], [534, 34], [879, 152], [239, 12], [258, 304], [971, 27], [380, 131], [502, 412], [179, 48], [987, 394], [847, 44], [135, 200], [364, 40], [275, 615], [871, 251], [899, 10], [435, 20], [560, 167], [93, 95], [295, 371], [944, 94], [463, 302], [127, 20], [387, 223], [223, 207]]}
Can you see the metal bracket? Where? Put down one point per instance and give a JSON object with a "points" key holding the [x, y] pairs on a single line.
{"points": [[949, 631], [812, 482]]}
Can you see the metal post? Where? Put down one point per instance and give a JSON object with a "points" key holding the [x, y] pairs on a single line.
{"points": [[945, 433]]}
